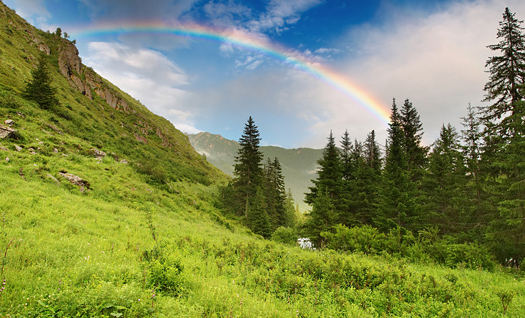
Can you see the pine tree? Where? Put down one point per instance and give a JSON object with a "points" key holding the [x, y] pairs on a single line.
{"points": [[275, 192], [329, 176], [258, 219], [247, 172], [413, 130], [504, 145], [368, 180], [397, 206], [322, 217], [445, 184], [39, 88], [475, 206], [507, 75], [347, 199], [324, 196]]}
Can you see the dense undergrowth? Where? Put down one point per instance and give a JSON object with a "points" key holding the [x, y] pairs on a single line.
{"points": [[145, 238]]}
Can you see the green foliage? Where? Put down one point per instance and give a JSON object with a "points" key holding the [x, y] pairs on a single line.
{"points": [[164, 272], [285, 235], [39, 88], [402, 243]]}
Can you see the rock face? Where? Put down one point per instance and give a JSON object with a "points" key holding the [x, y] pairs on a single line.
{"points": [[86, 80], [6, 132]]}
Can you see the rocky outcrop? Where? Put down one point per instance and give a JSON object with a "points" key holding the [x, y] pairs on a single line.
{"points": [[6, 132], [98, 153], [89, 83], [76, 180], [85, 80]]}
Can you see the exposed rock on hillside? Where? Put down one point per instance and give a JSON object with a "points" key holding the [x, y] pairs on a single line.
{"points": [[84, 80], [6, 132], [76, 180]]}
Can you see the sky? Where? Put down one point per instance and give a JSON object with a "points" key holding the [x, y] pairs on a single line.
{"points": [[300, 68]]}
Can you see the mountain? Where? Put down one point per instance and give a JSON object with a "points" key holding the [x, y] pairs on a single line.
{"points": [[299, 165], [108, 211]]}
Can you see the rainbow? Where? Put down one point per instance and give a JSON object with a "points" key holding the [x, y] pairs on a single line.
{"points": [[248, 41]]}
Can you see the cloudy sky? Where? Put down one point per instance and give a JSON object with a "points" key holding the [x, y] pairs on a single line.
{"points": [[431, 52]]}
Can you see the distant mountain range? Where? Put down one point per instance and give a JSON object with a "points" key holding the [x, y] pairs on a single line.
{"points": [[299, 165]]}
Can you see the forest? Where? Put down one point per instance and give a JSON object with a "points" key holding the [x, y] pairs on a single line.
{"points": [[459, 200]]}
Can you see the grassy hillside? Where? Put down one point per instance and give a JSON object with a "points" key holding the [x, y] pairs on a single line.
{"points": [[143, 238], [299, 165]]}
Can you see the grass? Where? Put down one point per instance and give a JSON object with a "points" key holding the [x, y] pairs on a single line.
{"points": [[92, 254]]}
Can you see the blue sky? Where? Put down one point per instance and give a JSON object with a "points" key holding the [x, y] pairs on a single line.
{"points": [[432, 52]]}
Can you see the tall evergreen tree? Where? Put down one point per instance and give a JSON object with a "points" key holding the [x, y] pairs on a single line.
{"points": [[471, 147], [275, 193], [322, 217], [445, 184], [368, 180], [324, 196], [507, 75], [413, 130], [258, 219], [39, 89], [372, 152], [329, 175], [248, 171], [504, 133], [347, 199], [397, 206]]}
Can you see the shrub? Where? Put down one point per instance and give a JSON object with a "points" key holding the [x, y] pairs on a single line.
{"points": [[285, 235]]}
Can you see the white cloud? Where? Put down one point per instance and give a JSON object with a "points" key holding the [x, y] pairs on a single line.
{"points": [[281, 13], [34, 11], [226, 14], [148, 76]]}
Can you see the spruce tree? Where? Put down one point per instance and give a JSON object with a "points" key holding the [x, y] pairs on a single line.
{"points": [[413, 130], [368, 180], [248, 172], [324, 196], [258, 219], [322, 217], [39, 88], [507, 75], [476, 207], [397, 206], [445, 184], [504, 133], [329, 175], [275, 192], [347, 197]]}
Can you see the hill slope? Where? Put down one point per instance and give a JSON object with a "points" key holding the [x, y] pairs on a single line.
{"points": [[299, 165], [143, 237]]}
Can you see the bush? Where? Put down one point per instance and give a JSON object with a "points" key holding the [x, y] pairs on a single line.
{"points": [[164, 271], [399, 242], [285, 235]]}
